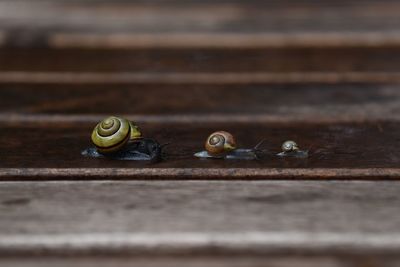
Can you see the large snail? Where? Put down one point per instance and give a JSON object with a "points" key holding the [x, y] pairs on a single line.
{"points": [[112, 134], [121, 139], [222, 145]]}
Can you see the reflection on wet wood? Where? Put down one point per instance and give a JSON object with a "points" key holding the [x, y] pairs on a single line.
{"points": [[336, 150]]}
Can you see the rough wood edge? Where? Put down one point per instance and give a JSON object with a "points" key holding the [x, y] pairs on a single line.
{"points": [[13, 119], [23, 77], [223, 40], [197, 173], [215, 243]]}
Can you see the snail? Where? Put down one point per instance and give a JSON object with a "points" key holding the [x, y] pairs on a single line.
{"points": [[289, 146], [112, 134], [121, 139], [222, 145], [291, 149], [219, 143]]}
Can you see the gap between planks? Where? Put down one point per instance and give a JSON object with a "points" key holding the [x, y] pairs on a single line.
{"points": [[25, 77], [198, 173]]}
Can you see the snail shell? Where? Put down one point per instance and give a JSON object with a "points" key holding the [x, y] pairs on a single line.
{"points": [[113, 133], [289, 146], [220, 142]]}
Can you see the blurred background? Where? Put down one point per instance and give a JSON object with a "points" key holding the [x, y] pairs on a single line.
{"points": [[274, 60]]}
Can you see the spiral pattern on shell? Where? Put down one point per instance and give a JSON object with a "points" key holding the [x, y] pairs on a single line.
{"points": [[220, 142], [111, 134], [289, 146]]}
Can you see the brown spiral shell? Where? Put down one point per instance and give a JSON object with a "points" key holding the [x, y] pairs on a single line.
{"points": [[220, 142]]}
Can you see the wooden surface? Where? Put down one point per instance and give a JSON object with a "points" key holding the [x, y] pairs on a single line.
{"points": [[193, 23], [324, 73], [350, 130], [192, 222], [185, 103], [336, 150]]}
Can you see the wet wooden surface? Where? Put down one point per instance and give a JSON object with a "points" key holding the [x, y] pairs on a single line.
{"points": [[324, 73], [281, 59], [161, 103], [55, 149]]}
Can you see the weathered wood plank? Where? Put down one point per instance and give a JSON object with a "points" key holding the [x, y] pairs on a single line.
{"points": [[338, 150], [261, 103], [261, 61], [200, 218], [66, 23], [218, 261], [182, 78]]}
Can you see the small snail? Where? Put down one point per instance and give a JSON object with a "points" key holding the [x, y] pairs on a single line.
{"points": [[120, 139], [113, 133], [291, 149], [289, 146], [222, 145]]}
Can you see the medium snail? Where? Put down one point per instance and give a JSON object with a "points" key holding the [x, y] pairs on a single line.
{"points": [[121, 139], [222, 145], [219, 143], [291, 149]]}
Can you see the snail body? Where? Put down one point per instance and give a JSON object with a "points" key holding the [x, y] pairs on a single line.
{"points": [[222, 145], [289, 146], [113, 133], [291, 149], [139, 149]]}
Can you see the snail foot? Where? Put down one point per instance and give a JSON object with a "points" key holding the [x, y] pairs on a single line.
{"points": [[294, 154], [236, 154], [143, 149]]}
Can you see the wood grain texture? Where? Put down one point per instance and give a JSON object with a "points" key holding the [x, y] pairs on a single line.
{"points": [[187, 23], [160, 218], [219, 261], [358, 59], [52, 151], [262, 103], [323, 73]]}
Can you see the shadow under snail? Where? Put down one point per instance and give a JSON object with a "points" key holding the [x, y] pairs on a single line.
{"points": [[222, 145], [121, 139]]}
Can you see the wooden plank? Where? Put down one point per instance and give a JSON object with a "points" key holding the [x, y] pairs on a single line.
{"points": [[159, 61], [95, 23], [261, 103], [230, 78], [219, 261], [216, 261], [222, 40], [184, 219], [337, 151]]}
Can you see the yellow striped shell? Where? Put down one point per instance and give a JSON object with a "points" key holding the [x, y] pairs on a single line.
{"points": [[220, 142], [113, 133]]}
